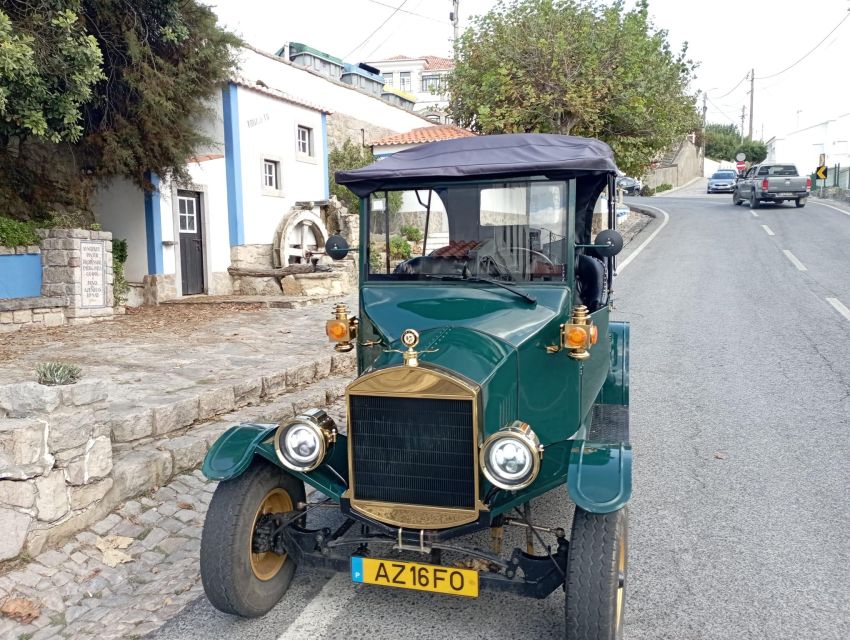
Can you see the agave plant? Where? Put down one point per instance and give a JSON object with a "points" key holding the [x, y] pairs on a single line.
{"points": [[53, 373]]}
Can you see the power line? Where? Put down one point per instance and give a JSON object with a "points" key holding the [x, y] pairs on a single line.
{"points": [[723, 113], [811, 51], [412, 13], [389, 35], [746, 75], [397, 9]]}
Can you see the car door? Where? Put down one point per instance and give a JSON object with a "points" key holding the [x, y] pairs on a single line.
{"points": [[747, 183]]}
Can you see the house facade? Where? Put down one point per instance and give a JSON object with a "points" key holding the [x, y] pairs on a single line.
{"points": [[804, 148], [424, 77], [254, 195]]}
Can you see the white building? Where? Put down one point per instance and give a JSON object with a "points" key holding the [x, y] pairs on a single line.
{"points": [[804, 148], [424, 77], [270, 130]]}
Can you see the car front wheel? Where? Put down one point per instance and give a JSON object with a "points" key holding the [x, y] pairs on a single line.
{"points": [[595, 583], [735, 199], [754, 202], [239, 578]]}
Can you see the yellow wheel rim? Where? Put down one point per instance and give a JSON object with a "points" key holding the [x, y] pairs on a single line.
{"points": [[621, 582], [266, 565]]}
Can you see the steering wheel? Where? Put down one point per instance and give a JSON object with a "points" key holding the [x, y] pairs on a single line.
{"points": [[493, 268], [538, 254]]}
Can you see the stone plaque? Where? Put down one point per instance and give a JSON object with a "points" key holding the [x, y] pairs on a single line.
{"points": [[94, 283]]}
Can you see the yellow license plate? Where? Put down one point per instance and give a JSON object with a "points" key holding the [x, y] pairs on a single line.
{"points": [[412, 575]]}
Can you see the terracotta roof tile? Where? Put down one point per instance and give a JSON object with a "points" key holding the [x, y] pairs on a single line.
{"points": [[436, 63], [204, 158], [426, 134]]}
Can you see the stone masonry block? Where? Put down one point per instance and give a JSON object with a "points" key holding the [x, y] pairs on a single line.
{"points": [[215, 402], [85, 392], [82, 497], [57, 258], [301, 375], [248, 391], [139, 471], [324, 366], [23, 316], [23, 453], [187, 452], [52, 500], [95, 463], [343, 362], [274, 384], [173, 415], [6, 317], [15, 526], [132, 425], [17, 493], [25, 398], [70, 429]]}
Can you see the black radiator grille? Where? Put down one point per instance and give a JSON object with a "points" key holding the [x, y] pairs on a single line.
{"points": [[413, 451]]}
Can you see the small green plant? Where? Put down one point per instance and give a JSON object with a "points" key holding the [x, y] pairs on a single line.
{"points": [[95, 226], [374, 259], [120, 288], [647, 191], [414, 234], [663, 187], [399, 249], [17, 234], [56, 373]]}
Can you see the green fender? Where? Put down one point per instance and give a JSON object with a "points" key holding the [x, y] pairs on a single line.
{"points": [[599, 478], [616, 387], [234, 450]]}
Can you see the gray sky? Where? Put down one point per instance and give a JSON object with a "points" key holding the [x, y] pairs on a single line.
{"points": [[727, 37]]}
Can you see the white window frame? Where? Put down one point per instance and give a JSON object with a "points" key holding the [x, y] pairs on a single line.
{"points": [[272, 176], [186, 215], [401, 86], [388, 78], [310, 155], [277, 161]]}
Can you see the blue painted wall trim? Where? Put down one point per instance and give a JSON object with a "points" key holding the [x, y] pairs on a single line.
{"points": [[20, 276], [233, 165], [325, 159], [153, 226]]}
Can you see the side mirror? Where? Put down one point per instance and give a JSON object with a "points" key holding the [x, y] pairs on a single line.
{"points": [[608, 243], [337, 248]]}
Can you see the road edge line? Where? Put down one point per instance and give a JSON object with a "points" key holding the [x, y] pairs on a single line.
{"points": [[824, 204], [642, 246], [839, 307]]}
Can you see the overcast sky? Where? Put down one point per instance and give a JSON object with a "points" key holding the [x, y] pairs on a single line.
{"points": [[727, 37]]}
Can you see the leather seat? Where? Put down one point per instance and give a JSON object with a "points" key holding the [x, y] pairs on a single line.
{"points": [[590, 281]]}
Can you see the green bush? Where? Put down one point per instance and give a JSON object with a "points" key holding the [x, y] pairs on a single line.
{"points": [[647, 191], [412, 233], [375, 262], [663, 187], [17, 234], [120, 288], [399, 249]]}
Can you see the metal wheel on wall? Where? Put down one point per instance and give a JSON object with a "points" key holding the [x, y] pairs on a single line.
{"points": [[298, 235]]}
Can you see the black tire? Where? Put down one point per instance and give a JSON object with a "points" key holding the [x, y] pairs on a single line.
{"points": [[735, 199], [800, 203], [228, 568], [596, 577], [754, 202]]}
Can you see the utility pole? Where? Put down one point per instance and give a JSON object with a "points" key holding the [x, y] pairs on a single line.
{"points": [[454, 16], [704, 111], [743, 115], [752, 95]]}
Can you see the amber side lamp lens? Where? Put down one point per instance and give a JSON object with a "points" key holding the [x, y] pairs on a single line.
{"points": [[576, 337], [336, 330], [594, 334]]}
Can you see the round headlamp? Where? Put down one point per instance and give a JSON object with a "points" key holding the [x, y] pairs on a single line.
{"points": [[510, 458], [302, 442]]}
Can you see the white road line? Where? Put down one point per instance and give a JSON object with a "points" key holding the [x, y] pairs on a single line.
{"points": [[840, 308], [823, 204], [634, 254], [318, 616], [767, 230], [755, 215], [800, 266]]}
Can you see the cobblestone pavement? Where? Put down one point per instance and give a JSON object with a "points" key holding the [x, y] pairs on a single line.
{"points": [[80, 597]]}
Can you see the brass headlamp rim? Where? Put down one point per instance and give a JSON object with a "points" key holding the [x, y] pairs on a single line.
{"points": [[519, 431], [321, 424]]}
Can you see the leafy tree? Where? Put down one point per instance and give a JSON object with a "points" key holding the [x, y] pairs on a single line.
{"points": [[723, 142], [755, 150], [93, 89], [574, 67], [345, 158]]}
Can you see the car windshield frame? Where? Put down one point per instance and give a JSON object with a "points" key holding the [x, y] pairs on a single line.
{"points": [[524, 237]]}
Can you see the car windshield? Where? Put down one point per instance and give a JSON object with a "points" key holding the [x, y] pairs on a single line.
{"points": [[510, 231], [723, 175], [782, 170]]}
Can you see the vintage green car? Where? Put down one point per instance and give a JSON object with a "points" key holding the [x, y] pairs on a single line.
{"points": [[489, 373]]}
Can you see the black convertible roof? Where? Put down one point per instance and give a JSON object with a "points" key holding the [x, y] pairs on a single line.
{"points": [[485, 157]]}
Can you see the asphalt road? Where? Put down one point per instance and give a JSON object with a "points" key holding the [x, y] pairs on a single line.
{"points": [[740, 390]]}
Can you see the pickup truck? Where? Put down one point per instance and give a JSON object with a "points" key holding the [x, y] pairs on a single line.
{"points": [[772, 183]]}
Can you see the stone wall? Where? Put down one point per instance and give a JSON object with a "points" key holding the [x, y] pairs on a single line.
{"points": [[686, 166], [76, 282], [342, 127], [69, 456]]}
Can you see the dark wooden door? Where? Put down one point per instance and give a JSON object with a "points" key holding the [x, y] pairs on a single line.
{"points": [[191, 241]]}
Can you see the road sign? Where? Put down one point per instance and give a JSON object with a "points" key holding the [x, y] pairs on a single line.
{"points": [[822, 172], [741, 156], [740, 165]]}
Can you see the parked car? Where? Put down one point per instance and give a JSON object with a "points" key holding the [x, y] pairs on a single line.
{"points": [[489, 374], [772, 183], [722, 181], [629, 186]]}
